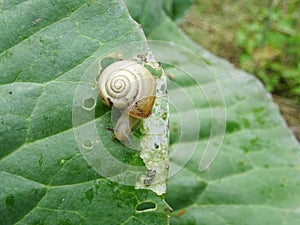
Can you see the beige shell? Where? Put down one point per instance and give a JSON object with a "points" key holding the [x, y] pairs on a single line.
{"points": [[129, 87]]}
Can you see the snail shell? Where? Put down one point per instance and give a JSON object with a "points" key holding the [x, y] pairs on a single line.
{"points": [[130, 88]]}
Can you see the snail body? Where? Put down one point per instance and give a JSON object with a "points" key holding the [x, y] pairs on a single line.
{"points": [[130, 88]]}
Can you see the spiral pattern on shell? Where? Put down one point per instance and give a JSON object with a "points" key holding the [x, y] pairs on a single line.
{"points": [[128, 86]]}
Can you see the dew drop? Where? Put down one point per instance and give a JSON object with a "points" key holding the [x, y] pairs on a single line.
{"points": [[62, 161]]}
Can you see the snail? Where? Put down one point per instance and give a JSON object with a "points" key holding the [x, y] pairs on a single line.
{"points": [[130, 88]]}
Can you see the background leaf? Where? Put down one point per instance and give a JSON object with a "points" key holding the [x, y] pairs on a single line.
{"points": [[177, 9], [45, 47], [255, 179]]}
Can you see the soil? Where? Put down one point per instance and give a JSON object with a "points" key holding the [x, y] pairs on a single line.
{"points": [[219, 27], [291, 113]]}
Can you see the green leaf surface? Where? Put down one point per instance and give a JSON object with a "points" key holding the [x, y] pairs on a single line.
{"points": [[255, 178], [148, 13], [177, 9], [45, 48]]}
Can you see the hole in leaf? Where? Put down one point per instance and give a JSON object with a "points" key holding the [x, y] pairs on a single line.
{"points": [[88, 144], [89, 104], [145, 206]]}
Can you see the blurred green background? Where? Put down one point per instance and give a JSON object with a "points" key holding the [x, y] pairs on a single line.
{"points": [[260, 37]]}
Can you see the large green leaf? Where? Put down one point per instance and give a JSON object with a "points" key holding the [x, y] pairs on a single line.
{"points": [[255, 178], [45, 48]]}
